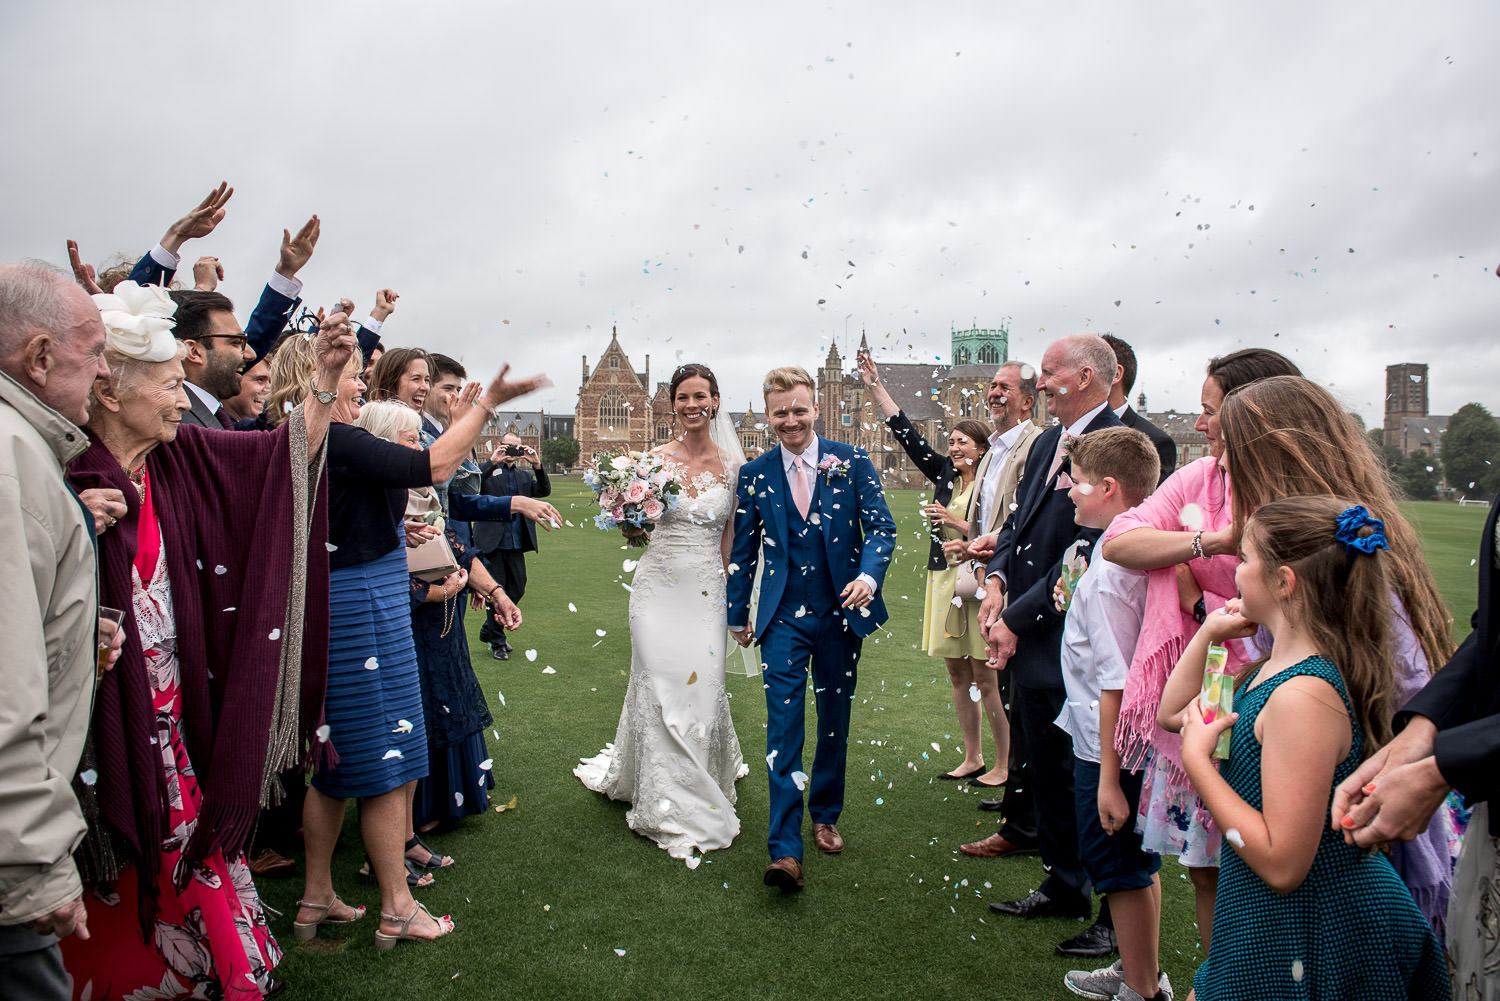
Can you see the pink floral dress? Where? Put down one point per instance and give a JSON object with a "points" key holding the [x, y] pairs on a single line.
{"points": [[211, 940]]}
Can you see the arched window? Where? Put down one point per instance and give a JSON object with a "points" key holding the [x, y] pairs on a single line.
{"points": [[612, 411], [988, 355], [961, 356], [614, 363], [891, 461], [663, 431]]}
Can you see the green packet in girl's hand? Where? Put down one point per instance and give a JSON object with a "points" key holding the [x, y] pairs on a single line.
{"points": [[1217, 697]]}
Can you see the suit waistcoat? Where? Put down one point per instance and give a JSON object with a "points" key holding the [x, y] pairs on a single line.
{"points": [[808, 581]]}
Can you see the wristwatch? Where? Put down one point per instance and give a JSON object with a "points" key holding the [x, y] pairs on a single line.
{"points": [[323, 396]]}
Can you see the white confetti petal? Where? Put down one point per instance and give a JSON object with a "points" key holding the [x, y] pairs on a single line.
{"points": [[392, 753], [531, 655], [629, 565], [323, 732], [935, 746], [799, 779], [1190, 517], [619, 952], [548, 670], [572, 607], [771, 759], [598, 632], [974, 695], [88, 776], [486, 764], [1233, 837], [693, 861], [458, 799], [371, 664], [502, 702], [275, 634], [402, 726], [1297, 970], [221, 570], [330, 547]]}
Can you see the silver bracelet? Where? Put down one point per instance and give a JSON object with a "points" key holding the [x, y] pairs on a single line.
{"points": [[1198, 545]]}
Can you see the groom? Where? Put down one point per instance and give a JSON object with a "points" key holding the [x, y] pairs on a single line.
{"points": [[818, 509]]}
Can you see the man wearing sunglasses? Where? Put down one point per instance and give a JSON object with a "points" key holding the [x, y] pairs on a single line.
{"points": [[216, 355]]}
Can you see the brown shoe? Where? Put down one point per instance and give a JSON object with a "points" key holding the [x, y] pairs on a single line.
{"points": [[271, 863], [995, 846], [785, 873], [828, 839]]}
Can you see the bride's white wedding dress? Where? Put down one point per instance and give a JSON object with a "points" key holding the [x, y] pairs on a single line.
{"points": [[675, 757]]}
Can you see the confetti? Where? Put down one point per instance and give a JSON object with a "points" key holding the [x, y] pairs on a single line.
{"points": [[371, 664], [799, 779], [1297, 970], [572, 607], [598, 632], [323, 732], [619, 952], [693, 678], [502, 702], [548, 670], [692, 862], [1190, 517], [392, 753], [974, 695], [531, 655], [402, 726], [458, 799], [486, 764], [1233, 837], [275, 634], [506, 806], [88, 776]]}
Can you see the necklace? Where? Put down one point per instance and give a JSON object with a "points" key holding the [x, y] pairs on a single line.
{"points": [[138, 480]]}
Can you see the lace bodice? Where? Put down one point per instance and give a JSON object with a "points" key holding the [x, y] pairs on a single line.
{"points": [[685, 543]]}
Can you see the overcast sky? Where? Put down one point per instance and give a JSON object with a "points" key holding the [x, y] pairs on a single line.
{"points": [[743, 184]]}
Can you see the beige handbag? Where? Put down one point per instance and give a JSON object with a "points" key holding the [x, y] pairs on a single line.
{"points": [[966, 589], [432, 560]]}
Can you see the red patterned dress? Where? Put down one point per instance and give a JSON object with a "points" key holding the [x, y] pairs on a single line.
{"points": [[212, 940]]}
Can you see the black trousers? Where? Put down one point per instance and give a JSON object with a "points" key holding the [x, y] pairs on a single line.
{"points": [[1048, 781], [508, 567]]}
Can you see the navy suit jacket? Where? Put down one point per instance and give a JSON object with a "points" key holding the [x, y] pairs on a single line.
{"points": [[858, 533], [1463, 698], [1029, 554]]}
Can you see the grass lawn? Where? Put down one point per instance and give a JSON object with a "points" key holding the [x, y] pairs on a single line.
{"points": [[559, 900]]}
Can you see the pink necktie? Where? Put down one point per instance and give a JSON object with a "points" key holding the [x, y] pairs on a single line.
{"points": [[1063, 483], [799, 486]]}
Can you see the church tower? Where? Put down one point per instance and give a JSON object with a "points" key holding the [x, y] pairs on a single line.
{"points": [[980, 347], [830, 392]]}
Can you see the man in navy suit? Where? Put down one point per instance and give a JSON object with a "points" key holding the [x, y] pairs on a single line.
{"points": [[816, 510], [1024, 628]]}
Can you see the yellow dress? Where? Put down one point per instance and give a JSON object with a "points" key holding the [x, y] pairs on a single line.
{"points": [[936, 639]]}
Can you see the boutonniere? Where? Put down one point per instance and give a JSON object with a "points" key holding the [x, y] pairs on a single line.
{"points": [[832, 467]]}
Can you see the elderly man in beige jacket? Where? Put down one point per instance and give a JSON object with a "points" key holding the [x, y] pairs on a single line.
{"points": [[51, 349]]}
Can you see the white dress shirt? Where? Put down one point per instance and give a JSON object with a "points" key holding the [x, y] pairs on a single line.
{"points": [[1000, 445]]}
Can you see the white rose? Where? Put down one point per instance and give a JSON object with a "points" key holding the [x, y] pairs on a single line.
{"points": [[138, 321]]}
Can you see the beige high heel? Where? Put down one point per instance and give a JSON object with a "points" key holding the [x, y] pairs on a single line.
{"points": [[302, 931], [384, 942]]}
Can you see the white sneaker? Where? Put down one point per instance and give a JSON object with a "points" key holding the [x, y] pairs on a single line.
{"points": [[1108, 984], [1101, 985]]}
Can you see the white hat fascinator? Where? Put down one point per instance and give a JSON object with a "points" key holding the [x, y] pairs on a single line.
{"points": [[138, 321]]}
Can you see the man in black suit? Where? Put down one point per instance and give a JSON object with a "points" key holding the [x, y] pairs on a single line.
{"points": [[1449, 739], [217, 353], [1119, 402], [504, 544], [1024, 628]]}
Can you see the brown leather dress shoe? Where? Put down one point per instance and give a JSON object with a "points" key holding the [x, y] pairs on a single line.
{"points": [[828, 839], [785, 873], [272, 863], [994, 846]]}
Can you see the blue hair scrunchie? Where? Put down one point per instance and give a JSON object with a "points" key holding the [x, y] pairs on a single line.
{"points": [[1349, 524]]}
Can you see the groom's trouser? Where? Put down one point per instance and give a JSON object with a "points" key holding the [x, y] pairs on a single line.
{"points": [[786, 650]]}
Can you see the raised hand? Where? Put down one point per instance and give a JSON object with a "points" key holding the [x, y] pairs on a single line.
{"points": [[201, 221], [332, 348], [297, 250], [385, 304], [207, 273], [470, 396], [83, 273], [867, 370], [541, 512], [502, 390]]}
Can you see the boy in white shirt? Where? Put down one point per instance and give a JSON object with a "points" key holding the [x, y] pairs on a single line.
{"points": [[1112, 470]]}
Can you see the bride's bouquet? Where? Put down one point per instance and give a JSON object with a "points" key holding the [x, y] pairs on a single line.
{"points": [[634, 488]]}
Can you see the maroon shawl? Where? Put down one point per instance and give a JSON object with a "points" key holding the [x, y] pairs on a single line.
{"points": [[224, 502]]}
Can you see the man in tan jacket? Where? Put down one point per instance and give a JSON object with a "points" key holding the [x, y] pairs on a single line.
{"points": [[51, 349]]}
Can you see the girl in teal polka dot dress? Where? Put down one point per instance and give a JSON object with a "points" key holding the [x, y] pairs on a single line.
{"points": [[1300, 914]]}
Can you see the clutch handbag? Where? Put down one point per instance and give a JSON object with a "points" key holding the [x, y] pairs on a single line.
{"points": [[432, 560], [966, 583]]}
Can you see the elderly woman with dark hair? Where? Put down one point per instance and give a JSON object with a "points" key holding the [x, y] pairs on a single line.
{"points": [[218, 564]]}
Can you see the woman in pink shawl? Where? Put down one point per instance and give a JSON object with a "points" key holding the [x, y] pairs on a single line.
{"points": [[1184, 535]]}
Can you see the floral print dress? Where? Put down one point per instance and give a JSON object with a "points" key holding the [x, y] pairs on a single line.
{"points": [[212, 940]]}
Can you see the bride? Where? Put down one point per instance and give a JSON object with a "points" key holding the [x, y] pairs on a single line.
{"points": [[675, 757]]}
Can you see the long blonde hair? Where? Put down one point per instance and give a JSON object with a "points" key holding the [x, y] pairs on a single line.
{"points": [[292, 367], [1287, 436], [1341, 600]]}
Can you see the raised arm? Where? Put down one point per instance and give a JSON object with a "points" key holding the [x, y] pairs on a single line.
{"points": [[454, 444], [160, 263], [871, 376]]}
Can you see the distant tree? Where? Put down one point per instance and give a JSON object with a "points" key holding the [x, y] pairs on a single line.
{"points": [[560, 451], [1471, 451], [1417, 476], [1387, 453]]}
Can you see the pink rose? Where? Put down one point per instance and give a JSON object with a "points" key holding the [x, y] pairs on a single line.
{"points": [[653, 509], [609, 498], [636, 492], [617, 513]]}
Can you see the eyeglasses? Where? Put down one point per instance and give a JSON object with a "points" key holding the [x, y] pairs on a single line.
{"points": [[236, 341]]}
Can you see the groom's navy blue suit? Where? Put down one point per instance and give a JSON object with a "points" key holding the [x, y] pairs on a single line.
{"points": [[848, 531]]}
